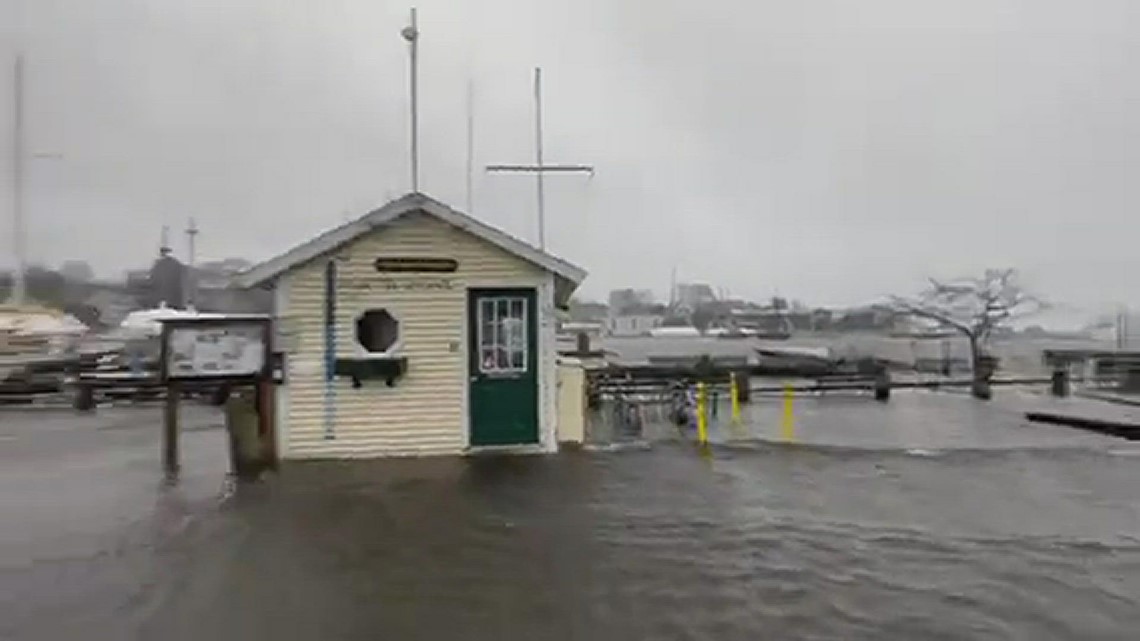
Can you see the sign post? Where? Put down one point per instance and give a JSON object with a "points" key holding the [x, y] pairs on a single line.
{"points": [[218, 349]]}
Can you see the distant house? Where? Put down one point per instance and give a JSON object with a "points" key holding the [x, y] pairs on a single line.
{"points": [[915, 327], [761, 320], [226, 299], [217, 274], [693, 295], [625, 325], [1123, 330], [588, 312], [209, 288], [864, 319], [624, 300]]}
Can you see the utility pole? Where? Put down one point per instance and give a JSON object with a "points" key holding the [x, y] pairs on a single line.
{"points": [[19, 284], [539, 168], [412, 35]]}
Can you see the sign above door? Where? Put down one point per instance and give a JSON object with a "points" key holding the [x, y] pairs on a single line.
{"points": [[415, 264]]}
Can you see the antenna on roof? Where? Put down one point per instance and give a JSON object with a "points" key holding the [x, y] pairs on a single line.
{"points": [[411, 33]]}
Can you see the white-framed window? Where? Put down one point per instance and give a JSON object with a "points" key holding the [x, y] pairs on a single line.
{"points": [[377, 331], [503, 340]]}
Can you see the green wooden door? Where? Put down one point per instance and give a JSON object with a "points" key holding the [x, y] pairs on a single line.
{"points": [[503, 366]]}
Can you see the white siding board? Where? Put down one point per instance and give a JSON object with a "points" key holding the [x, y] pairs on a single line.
{"points": [[426, 412], [282, 341], [547, 388], [465, 394]]}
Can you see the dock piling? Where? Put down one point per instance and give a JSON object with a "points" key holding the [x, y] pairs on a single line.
{"points": [[883, 386], [702, 414], [1059, 385], [734, 395], [170, 430]]}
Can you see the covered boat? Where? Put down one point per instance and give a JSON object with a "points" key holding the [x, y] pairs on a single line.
{"points": [[28, 330]]}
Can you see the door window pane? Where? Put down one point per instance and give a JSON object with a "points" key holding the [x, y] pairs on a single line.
{"points": [[486, 323], [503, 335]]}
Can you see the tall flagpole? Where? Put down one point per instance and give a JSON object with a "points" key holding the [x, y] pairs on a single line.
{"points": [[19, 284], [540, 184], [412, 35]]}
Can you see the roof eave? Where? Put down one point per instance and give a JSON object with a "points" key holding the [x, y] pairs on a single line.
{"points": [[564, 288], [337, 237]]}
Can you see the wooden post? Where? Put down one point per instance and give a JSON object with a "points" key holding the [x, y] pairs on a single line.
{"points": [[984, 367], [743, 385], [84, 397], [883, 385], [1130, 380], [702, 416], [583, 343], [170, 430], [735, 394], [1060, 386], [267, 427], [981, 390]]}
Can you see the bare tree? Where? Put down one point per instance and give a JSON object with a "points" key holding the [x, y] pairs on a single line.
{"points": [[703, 316], [976, 307]]}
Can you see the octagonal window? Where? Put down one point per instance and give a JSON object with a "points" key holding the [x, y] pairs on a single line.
{"points": [[377, 331]]}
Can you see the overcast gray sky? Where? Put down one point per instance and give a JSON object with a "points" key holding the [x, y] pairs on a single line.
{"points": [[828, 150]]}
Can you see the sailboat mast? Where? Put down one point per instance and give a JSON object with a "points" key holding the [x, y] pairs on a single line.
{"points": [[673, 287], [19, 284]]}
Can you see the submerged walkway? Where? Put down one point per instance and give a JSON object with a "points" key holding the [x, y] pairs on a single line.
{"points": [[927, 420], [1104, 412]]}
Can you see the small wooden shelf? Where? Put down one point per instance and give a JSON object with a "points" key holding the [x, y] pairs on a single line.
{"points": [[386, 368]]}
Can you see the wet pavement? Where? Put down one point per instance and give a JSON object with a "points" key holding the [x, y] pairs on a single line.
{"points": [[932, 517]]}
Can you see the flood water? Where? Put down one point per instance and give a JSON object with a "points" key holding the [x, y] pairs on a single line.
{"points": [[932, 518]]}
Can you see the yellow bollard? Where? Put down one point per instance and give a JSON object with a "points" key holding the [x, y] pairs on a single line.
{"points": [[702, 415], [788, 425], [734, 393]]}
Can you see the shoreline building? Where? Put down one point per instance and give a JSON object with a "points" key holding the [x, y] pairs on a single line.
{"points": [[417, 330]]}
